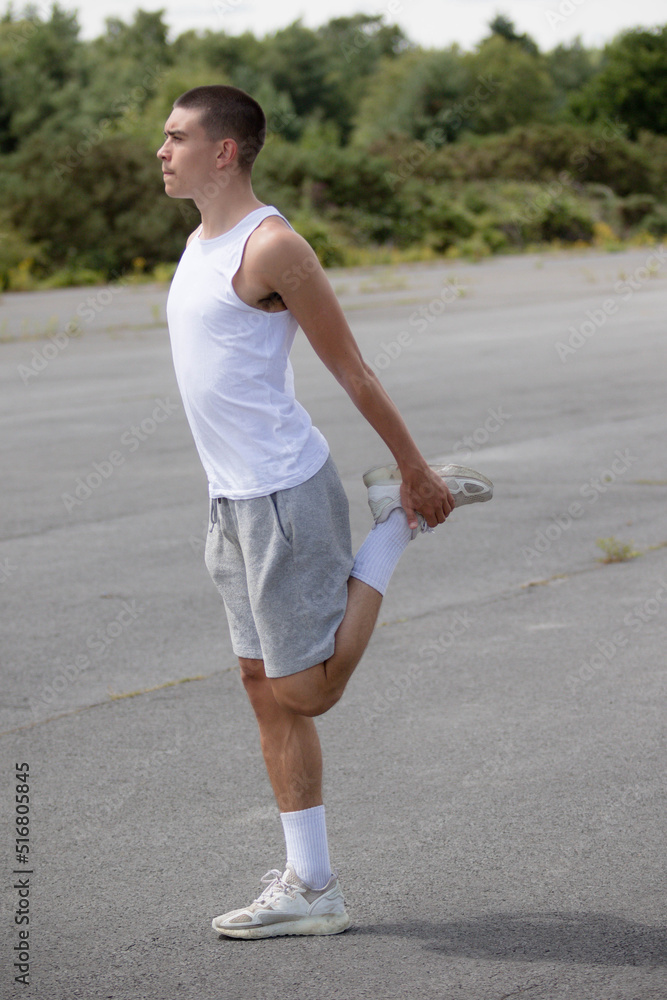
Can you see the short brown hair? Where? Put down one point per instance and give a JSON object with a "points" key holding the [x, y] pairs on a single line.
{"points": [[228, 112]]}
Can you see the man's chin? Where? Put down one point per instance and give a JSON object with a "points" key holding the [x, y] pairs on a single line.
{"points": [[172, 192]]}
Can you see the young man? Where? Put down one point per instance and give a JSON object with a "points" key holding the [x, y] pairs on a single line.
{"points": [[301, 609]]}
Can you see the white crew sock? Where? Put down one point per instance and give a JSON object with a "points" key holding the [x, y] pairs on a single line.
{"points": [[307, 848], [384, 545]]}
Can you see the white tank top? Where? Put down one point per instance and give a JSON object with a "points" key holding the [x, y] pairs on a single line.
{"points": [[234, 374]]}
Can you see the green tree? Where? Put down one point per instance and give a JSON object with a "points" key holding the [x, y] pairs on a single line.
{"points": [[299, 74], [41, 75], [226, 56], [505, 28], [570, 67], [353, 47], [413, 96], [124, 67], [294, 60], [631, 85], [144, 40], [519, 87]]}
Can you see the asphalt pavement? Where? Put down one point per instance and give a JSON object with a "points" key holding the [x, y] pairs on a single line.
{"points": [[494, 774]]}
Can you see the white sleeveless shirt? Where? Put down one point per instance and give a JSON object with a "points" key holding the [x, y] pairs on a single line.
{"points": [[233, 371]]}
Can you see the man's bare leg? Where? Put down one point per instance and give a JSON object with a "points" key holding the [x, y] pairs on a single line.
{"points": [[315, 690], [290, 744], [293, 759]]}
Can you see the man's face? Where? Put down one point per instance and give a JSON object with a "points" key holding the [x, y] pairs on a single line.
{"points": [[188, 156]]}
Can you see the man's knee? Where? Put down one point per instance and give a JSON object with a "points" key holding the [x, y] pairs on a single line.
{"points": [[301, 695], [252, 673], [251, 668]]}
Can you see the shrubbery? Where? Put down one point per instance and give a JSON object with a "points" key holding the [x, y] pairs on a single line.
{"points": [[377, 150]]}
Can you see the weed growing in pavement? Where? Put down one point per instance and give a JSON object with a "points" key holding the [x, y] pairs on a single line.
{"points": [[615, 550]]}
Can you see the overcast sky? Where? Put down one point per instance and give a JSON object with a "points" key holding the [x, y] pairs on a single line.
{"points": [[434, 23]]}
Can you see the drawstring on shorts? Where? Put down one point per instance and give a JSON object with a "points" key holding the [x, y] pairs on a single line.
{"points": [[214, 513]]}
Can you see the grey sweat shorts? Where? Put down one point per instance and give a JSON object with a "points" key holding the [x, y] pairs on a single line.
{"points": [[281, 563]]}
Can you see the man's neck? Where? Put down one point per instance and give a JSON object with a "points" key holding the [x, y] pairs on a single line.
{"points": [[222, 212]]}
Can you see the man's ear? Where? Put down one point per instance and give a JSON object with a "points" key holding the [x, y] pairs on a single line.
{"points": [[227, 153]]}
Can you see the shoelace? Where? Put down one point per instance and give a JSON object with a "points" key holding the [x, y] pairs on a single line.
{"points": [[274, 885]]}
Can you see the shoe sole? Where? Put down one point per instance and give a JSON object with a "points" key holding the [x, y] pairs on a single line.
{"points": [[382, 474], [334, 923]]}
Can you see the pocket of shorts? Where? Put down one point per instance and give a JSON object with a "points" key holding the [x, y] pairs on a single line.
{"points": [[282, 523]]}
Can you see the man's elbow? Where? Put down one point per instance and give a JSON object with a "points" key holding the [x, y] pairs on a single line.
{"points": [[356, 380]]}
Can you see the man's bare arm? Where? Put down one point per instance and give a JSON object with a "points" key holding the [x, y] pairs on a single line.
{"points": [[288, 265]]}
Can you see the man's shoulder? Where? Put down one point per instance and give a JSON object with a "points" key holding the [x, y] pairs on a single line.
{"points": [[271, 230], [274, 242]]}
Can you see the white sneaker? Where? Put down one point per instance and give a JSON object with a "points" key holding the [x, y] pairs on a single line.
{"points": [[287, 906], [384, 488]]}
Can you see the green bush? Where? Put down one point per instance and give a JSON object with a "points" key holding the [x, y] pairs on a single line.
{"points": [[73, 277], [98, 210], [599, 153], [656, 222], [326, 243], [565, 220], [16, 250], [635, 208], [447, 222]]}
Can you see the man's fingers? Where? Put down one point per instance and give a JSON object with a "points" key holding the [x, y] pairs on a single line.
{"points": [[409, 509], [432, 499], [412, 518], [448, 503]]}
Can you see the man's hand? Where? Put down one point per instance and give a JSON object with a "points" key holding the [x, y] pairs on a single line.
{"points": [[424, 492]]}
